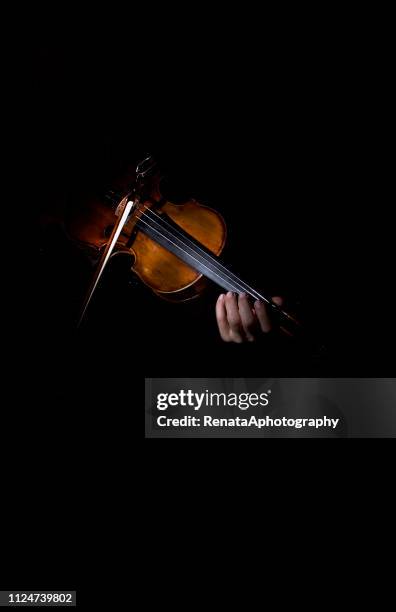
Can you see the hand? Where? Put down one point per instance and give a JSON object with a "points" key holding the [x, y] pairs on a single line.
{"points": [[238, 321]]}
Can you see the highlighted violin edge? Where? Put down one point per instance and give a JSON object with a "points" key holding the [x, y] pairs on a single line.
{"points": [[129, 204]]}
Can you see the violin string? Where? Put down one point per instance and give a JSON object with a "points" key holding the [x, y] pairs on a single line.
{"points": [[182, 250], [204, 262], [208, 256], [237, 283], [229, 276]]}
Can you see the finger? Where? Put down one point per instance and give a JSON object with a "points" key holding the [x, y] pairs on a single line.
{"points": [[233, 318], [277, 300], [262, 316], [236, 337], [249, 322], [221, 317]]}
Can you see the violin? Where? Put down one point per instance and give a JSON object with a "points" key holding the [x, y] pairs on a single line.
{"points": [[175, 247]]}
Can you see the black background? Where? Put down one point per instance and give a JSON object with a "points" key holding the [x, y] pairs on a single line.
{"points": [[287, 137], [290, 148]]}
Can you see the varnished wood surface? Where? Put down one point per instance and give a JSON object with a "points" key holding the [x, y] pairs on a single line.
{"points": [[161, 270]]}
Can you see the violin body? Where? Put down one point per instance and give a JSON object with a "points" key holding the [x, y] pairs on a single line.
{"points": [[158, 268], [161, 270]]}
